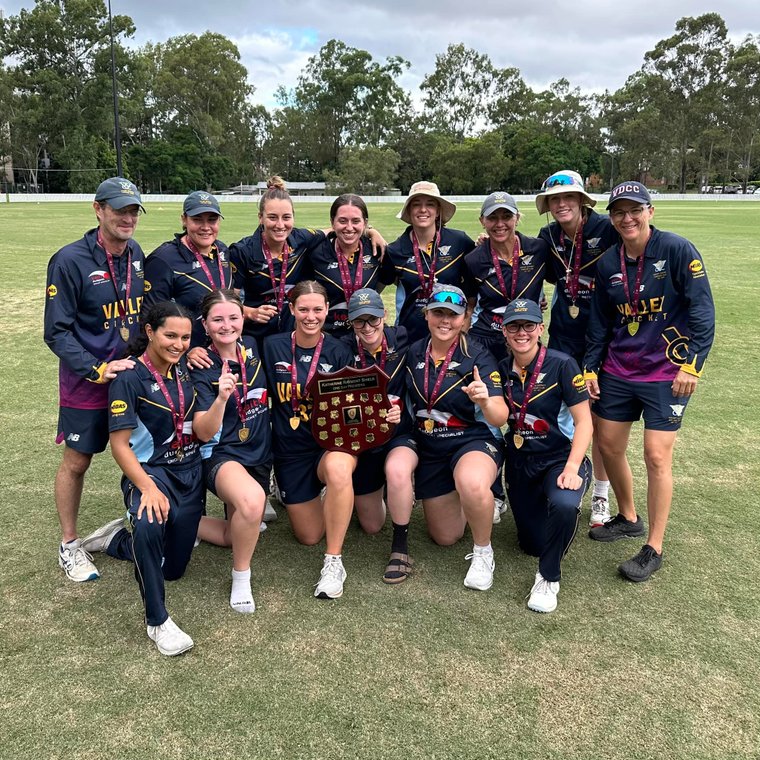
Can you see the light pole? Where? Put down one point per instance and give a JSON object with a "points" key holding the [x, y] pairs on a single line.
{"points": [[612, 168], [117, 129]]}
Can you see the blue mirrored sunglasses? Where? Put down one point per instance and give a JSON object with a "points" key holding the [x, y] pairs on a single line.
{"points": [[446, 296], [557, 180]]}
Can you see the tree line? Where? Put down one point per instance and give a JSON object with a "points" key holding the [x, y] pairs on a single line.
{"points": [[688, 117]]}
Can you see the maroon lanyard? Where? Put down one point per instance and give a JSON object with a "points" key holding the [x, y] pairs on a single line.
{"points": [[426, 283], [383, 353], [240, 402], [573, 264], [294, 372], [200, 258], [637, 284], [441, 373], [178, 417], [515, 269], [521, 412], [277, 287], [345, 272], [121, 305]]}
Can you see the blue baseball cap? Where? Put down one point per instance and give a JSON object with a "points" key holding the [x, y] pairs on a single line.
{"points": [[200, 202], [118, 193], [447, 297], [496, 201], [521, 310], [365, 301], [630, 191]]}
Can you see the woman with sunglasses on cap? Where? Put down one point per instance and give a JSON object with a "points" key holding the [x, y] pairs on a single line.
{"points": [[301, 467], [577, 238], [188, 268], [651, 327], [547, 471], [237, 460], [507, 265], [459, 453], [427, 252], [345, 263], [374, 343]]}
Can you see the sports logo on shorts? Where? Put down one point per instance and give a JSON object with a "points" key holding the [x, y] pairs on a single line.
{"points": [[118, 407], [52, 291], [677, 409]]}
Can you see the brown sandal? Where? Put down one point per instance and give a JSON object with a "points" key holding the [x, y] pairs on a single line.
{"points": [[399, 568]]}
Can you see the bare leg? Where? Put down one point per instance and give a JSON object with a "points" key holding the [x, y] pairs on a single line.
{"points": [[613, 443], [371, 511], [473, 476], [658, 455], [69, 481], [335, 470]]}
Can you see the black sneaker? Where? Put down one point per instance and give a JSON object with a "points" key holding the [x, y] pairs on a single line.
{"points": [[618, 527], [640, 567]]}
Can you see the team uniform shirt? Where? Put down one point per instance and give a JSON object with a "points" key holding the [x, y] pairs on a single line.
{"points": [[278, 360], [568, 334], [137, 403], [399, 266], [548, 426], [251, 275], [172, 273], [255, 446], [82, 320], [483, 280], [324, 261], [676, 314], [456, 420]]}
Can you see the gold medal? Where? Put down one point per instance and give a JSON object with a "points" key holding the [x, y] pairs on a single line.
{"points": [[518, 440], [633, 327], [574, 311], [429, 425], [124, 332], [295, 422], [243, 434]]}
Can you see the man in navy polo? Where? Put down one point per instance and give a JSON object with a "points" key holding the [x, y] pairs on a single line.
{"points": [[92, 308]]}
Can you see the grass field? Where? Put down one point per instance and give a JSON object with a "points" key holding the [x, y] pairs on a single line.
{"points": [[667, 669]]}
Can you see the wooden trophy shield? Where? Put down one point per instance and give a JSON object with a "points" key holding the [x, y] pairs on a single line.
{"points": [[350, 407]]}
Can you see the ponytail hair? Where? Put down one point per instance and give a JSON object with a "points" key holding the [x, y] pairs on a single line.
{"points": [[307, 286], [219, 295], [155, 316], [275, 192], [349, 199]]}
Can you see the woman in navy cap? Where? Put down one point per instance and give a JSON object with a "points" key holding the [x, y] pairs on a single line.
{"points": [[459, 453], [507, 265], [577, 237], [190, 266], [651, 327], [547, 471]]}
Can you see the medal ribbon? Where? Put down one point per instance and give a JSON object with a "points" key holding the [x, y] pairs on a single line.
{"points": [[573, 264], [121, 305], [240, 402], [294, 370], [201, 259], [345, 271], [521, 412], [383, 353], [441, 373], [178, 417], [515, 269], [637, 284], [426, 283], [277, 287]]}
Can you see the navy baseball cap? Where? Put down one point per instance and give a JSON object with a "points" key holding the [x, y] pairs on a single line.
{"points": [[496, 201], [118, 193], [365, 301], [447, 297], [630, 191], [521, 310], [200, 202]]}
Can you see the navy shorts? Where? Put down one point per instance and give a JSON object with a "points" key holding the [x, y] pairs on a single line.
{"points": [[626, 400], [261, 473], [297, 477], [434, 476], [84, 430], [369, 475]]}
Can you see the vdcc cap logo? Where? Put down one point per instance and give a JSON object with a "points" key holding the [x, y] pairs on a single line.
{"points": [[118, 407]]}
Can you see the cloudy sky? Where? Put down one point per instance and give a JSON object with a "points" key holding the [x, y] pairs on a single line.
{"points": [[595, 44]]}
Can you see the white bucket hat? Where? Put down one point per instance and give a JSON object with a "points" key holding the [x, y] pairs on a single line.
{"points": [[430, 189], [564, 181]]}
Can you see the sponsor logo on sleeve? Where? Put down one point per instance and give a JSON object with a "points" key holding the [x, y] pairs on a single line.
{"points": [[696, 268], [52, 291], [579, 383], [118, 407]]}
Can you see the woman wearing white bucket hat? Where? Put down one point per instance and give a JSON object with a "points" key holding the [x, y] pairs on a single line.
{"points": [[577, 238], [427, 252]]}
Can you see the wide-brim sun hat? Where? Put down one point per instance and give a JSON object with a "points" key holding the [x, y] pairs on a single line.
{"points": [[429, 189], [564, 181]]}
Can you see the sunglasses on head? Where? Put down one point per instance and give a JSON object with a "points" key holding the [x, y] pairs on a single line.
{"points": [[557, 180], [446, 296]]}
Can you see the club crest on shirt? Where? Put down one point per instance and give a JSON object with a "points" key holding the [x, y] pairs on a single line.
{"points": [[593, 242], [616, 279], [324, 367], [527, 261]]}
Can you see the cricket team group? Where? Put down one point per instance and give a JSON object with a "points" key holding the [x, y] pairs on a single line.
{"points": [[197, 364]]}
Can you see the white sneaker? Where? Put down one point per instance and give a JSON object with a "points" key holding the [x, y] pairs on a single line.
{"points": [[270, 515], [76, 562], [600, 511], [170, 638], [99, 540], [499, 508], [480, 574], [543, 595], [331, 579]]}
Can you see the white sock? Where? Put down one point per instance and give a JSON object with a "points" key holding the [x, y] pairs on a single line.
{"points": [[336, 556], [487, 549], [601, 488], [241, 598]]}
